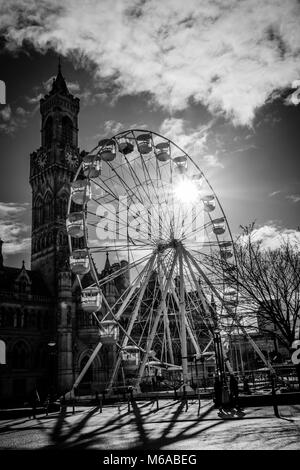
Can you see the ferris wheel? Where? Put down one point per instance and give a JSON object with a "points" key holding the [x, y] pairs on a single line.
{"points": [[141, 201]]}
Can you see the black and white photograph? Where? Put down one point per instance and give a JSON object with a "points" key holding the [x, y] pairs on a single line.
{"points": [[149, 229]]}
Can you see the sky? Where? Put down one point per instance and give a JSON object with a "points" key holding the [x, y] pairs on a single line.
{"points": [[219, 77]]}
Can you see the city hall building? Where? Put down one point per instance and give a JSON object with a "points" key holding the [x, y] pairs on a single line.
{"points": [[44, 333]]}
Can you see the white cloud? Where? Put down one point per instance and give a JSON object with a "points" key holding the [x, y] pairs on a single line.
{"points": [[272, 236], [11, 120], [34, 99], [230, 55], [5, 113], [293, 198], [192, 140], [112, 127], [12, 208], [13, 230], [212, 161], [16, 246], [274, 193]]}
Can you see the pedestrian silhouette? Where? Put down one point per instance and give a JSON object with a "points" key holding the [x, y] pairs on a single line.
{"points": [[234, 391], [246, 387], [34, 400], [47, 403]]}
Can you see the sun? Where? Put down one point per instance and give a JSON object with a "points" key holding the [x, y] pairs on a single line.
{"points": [[186, 191]]}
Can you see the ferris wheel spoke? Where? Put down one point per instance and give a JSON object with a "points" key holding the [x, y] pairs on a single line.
{"points": [[141, 185], [116, 219], [192, 232], [132, 289], [148, 178]]}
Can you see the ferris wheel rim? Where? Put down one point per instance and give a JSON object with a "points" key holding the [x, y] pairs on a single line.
{"points": [[125, 134], [195, 165]]}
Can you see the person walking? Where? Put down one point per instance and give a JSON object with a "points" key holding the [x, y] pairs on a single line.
{"points": [[47, 403], [34, 400], [246, 388], [234, 391], [98, 401]]}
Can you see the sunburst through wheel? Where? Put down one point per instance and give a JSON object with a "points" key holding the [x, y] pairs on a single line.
{"points": [[141, 200]]}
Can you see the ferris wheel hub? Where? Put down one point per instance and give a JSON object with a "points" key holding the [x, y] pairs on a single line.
{"points": [[170, 244]]}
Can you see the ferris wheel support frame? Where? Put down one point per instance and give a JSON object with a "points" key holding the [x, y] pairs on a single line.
{"points": [[218, 351], [135, 312], [155, 324], [233, 316], [89, 362], [99, 345], [165, 311], [184, 360], [189, 330]]}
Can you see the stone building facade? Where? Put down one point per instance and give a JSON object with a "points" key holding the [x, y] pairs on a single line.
{"points": [[46, 335]]}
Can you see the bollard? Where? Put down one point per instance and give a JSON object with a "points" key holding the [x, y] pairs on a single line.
{"points": [[73, 406], [199, 404], [186, 404], [100, 405], [157, 404]]}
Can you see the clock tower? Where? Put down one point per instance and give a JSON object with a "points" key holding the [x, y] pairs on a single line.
{"points": [[52, 167]]}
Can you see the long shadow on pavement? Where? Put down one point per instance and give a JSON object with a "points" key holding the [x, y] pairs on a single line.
{"points": [[135, 422]]}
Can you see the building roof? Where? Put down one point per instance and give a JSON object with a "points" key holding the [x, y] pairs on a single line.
{"points": [[59, 84], [9, 277]]}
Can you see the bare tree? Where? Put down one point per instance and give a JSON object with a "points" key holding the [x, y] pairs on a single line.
{"points": [[269, 286]]}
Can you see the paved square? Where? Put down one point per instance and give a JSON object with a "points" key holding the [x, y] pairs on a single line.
{"points": [[170, 427]]}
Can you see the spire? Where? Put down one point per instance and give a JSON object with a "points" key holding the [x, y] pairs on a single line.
{"points": [[59, 84], [107, 263]]}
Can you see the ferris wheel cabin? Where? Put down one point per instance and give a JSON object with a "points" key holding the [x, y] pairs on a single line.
{"points": [[75, 225], [79, 262], [107, 150], [81, 191], [109, 332], [91, 299]]}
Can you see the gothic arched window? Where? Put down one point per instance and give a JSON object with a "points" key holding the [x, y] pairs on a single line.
{"points": [[41, 357], [20, 356], [48, 132], [62, 206], [66, 131], [38, 212], [48, 212], [88, 377]]}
